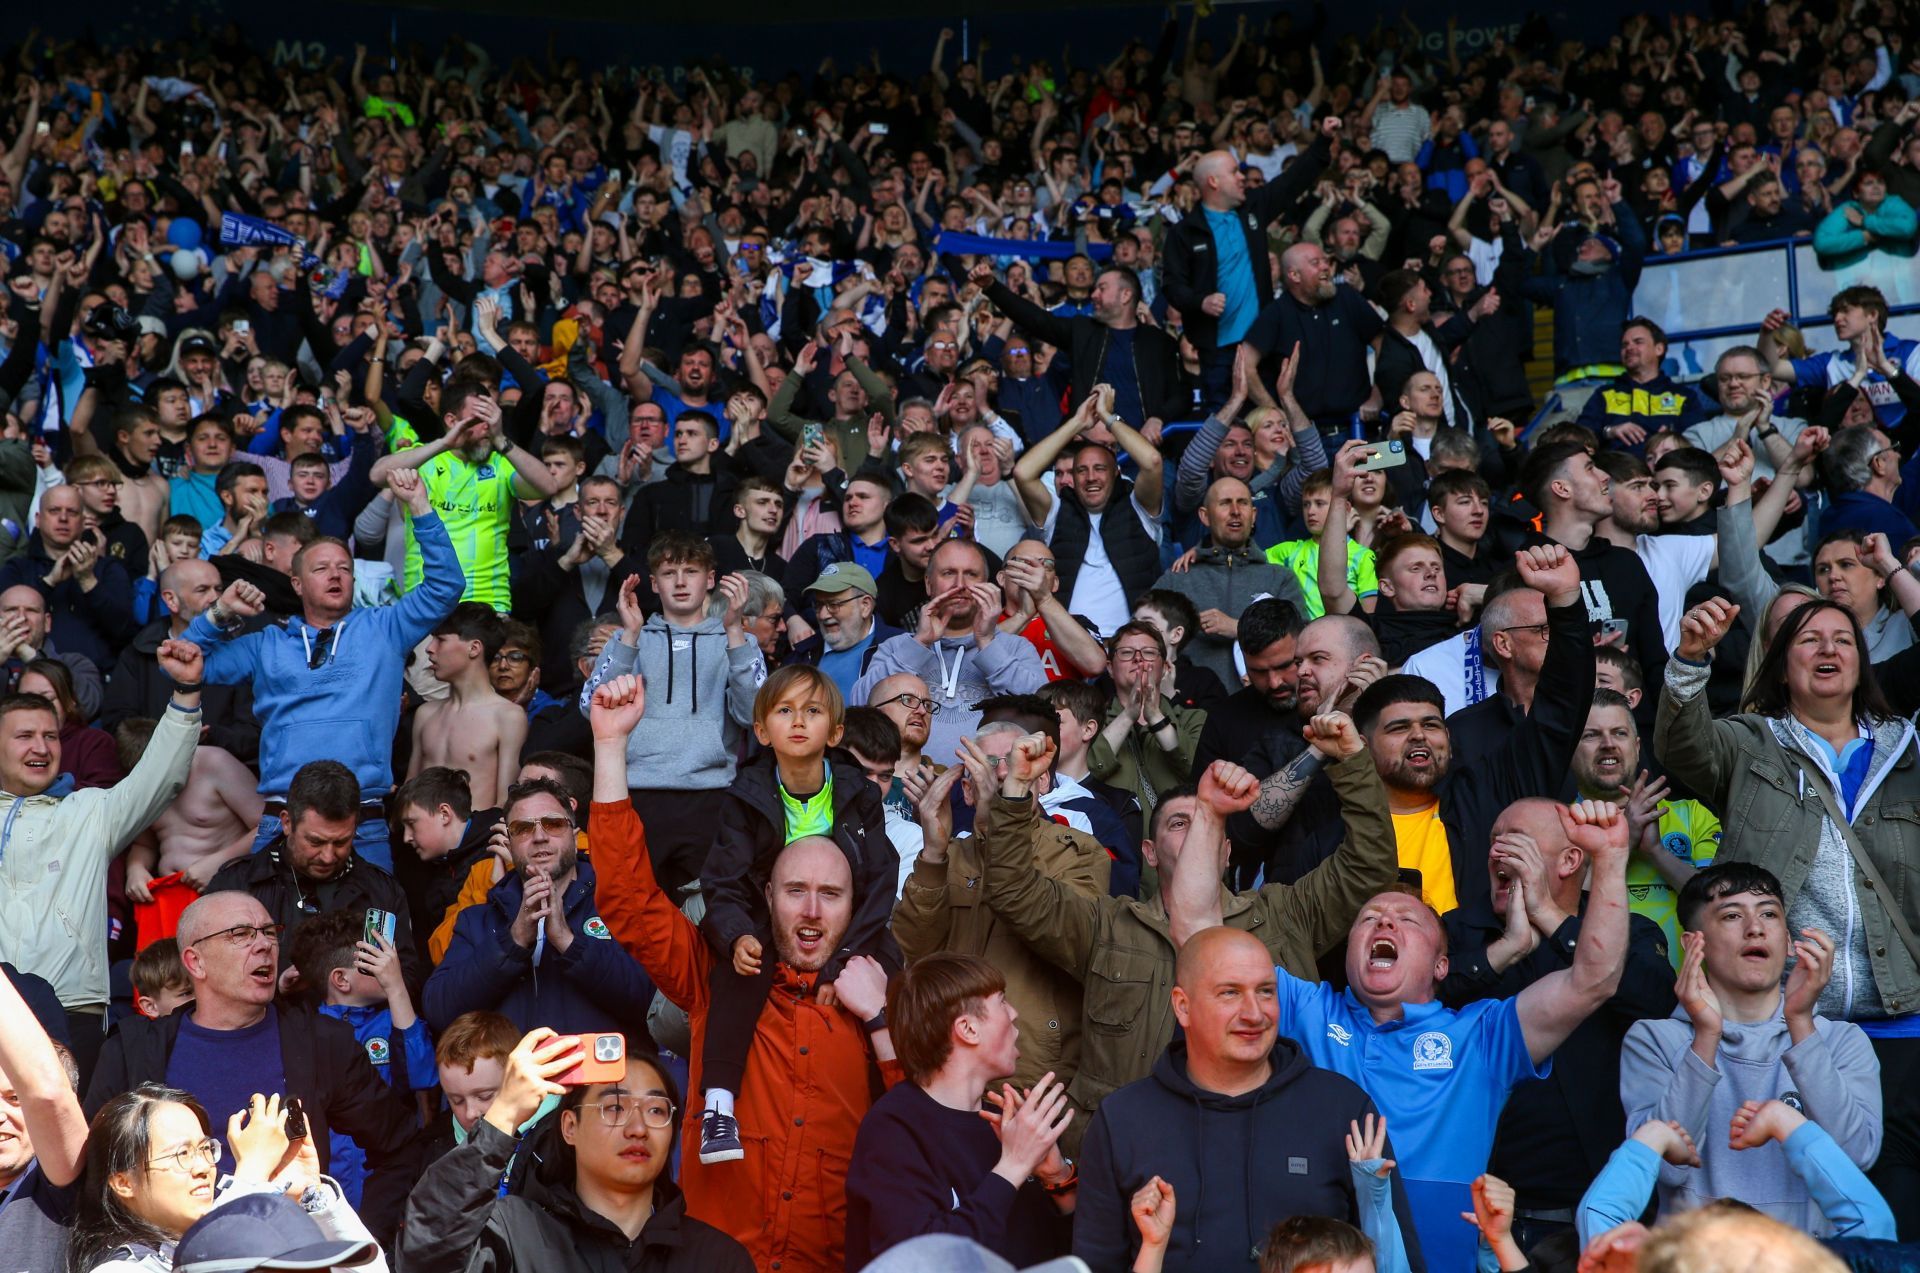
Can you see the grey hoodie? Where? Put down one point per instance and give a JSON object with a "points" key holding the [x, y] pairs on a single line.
{"points": [[699, 701], [1832, 1077]]}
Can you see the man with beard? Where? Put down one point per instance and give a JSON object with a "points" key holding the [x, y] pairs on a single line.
{"points": [[791, 1210], [1269, 630], [537, 950], [311, 866], [905, 700], [1441, 814], [1331, 326], [1442, 1075], [848, 632], [473, 474], [1293, 823], [1228, 573], [1665, 853], [237, 1040], [957, 646], [1555, 1135]]}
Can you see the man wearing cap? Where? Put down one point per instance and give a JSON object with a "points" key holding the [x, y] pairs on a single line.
{"points": [[1217, 271], [847, 631], [1591, 287], [265, 1227]]}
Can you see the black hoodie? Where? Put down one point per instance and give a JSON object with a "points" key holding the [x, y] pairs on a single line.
{"points": [[1237, 1164]]}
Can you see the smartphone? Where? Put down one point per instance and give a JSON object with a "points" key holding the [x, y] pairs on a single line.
{"points": [[1389, 456], [296, 1119], [1609, 627], [811, 435], [605, 1061], [186, 149], [241, 326], [877, 129], [381, 922]]}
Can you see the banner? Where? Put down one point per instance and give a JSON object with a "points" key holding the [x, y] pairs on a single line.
{"points": [[954, 243]]}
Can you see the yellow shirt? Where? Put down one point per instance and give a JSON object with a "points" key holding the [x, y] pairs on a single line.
{"points": [[1422, 838]]}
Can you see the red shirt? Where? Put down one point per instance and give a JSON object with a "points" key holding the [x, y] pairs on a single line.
{"points": [[1056, 663]]}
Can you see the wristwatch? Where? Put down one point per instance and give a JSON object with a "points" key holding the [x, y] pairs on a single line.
{"points": [[876, 1023], [1155, 726]]}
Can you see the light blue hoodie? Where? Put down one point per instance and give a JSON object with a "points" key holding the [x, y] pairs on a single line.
{"points": [[348, 707]]}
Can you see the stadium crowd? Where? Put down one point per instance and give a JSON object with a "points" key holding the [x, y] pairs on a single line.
{"points": [[1191, 766]]}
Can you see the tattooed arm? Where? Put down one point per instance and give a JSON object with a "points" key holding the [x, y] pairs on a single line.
{"points": [[1280, 792]]}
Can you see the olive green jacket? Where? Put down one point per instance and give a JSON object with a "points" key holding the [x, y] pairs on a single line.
{"points": [[850, 435], [1122, 952]]}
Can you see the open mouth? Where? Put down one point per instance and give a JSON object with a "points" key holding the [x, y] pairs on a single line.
{"points": [[1383, 953], [809, 937], [1755, 950], [262, 974], [1826, 669], [1607, 763], [1419, 755]]}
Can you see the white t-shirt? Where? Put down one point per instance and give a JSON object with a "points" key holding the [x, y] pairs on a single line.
{"points": [[1436, 362], [1791, 548], [1098, 593], [999, 516], [1676, 562]]}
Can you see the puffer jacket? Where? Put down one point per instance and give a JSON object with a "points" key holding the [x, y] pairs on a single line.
{"points": [[1759, 773], [458, 1221], [1122, 951]]}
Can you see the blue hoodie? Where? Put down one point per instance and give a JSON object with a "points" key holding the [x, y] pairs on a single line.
{"points": [[347, 708], [373, 1027]]}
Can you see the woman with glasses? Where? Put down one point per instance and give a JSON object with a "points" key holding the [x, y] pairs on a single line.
{"points": [[153, 1168], [600, 1185]]}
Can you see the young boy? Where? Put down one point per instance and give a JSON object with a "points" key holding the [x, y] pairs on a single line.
{"points": [[794, 791], [471, 1059], [100, 482], [555, 519], [160, 981], [1461, 502], [1172, 615], [1741, 1037], [873, 740], [926, 463], [1302, 556], [357, 976], [473, 728]]}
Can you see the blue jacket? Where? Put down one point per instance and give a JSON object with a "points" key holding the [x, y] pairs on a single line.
{"points": [[1589, 308], [348, 708], [98, 622], [594, 986], [373, 1030], [1858, 510]]}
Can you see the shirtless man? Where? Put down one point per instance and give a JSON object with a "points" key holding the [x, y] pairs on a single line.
{"points": [[144, 499], [907, 702], [207, 826], [473, 728]]}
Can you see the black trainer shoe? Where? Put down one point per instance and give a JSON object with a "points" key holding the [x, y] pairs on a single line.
{"points": [[720, 1138]]}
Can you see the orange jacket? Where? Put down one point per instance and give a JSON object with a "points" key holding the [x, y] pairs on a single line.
{"points": [[809, 1078]]}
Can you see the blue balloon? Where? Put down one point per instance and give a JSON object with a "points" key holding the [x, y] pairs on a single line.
{"points": [[183, 233]]}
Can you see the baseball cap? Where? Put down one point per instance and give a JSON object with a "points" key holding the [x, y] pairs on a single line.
{"points": [[263, 1231], [951, 1253], [151, 326], [198, 344], [842, 575]]}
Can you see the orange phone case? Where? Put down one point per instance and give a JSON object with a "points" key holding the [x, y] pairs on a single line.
{"points": [[605, 1061]]}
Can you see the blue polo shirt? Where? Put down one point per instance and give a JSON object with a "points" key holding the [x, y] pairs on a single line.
{"points": [[1233, 275], [1440, 1075]]}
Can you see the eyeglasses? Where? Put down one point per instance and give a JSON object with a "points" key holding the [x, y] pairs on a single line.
{"points": [[1538, 629], [914, 703], [1044, 563], [1728, 376], [513, 656], [243, 935], [655, 1111], [190, 1158], [322, 647], [1136, 656], [821, 603], [552, 824], [98, 481]]}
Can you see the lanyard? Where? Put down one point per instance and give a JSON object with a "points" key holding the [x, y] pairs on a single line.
{"points": [[6, 830]]}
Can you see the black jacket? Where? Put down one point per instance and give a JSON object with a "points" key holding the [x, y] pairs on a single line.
{"points": [[267, 875], [1244, 1161], [753, 830], [1189, 258], [553, 601], [456, 1220], [1578, 1104], [1156, 359], [1533, 761], [432, 887], [140, 688], [682, 500], [326, 1067]]}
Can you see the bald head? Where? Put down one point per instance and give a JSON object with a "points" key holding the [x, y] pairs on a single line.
{"points": [[1218, 176], [1307, 273], [1350, 635], [1209, 949], [1536, 817], [217, 912]]}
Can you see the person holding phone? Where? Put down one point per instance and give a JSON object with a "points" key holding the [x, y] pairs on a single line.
{"points": [[599, 1190]]}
